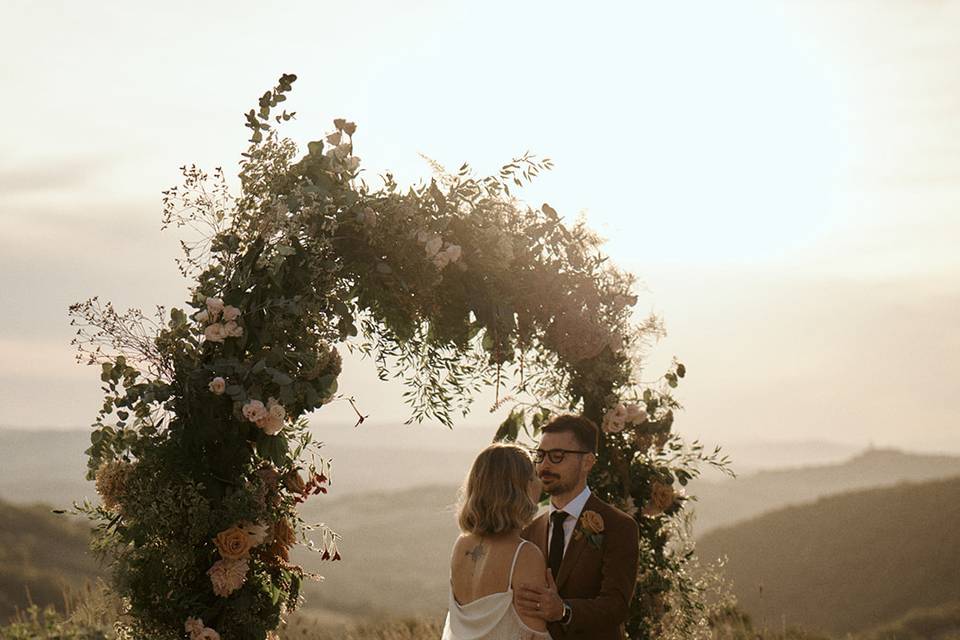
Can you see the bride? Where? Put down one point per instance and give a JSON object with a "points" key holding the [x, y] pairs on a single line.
{"points": [[498, 500]]}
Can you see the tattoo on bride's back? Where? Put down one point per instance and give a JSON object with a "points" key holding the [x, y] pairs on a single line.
{"points": [[477, 552]]}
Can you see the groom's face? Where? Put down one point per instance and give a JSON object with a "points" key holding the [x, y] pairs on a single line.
{"points": [[563, 477]]}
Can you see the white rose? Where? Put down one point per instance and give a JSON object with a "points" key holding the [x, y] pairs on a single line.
{"points": [[214, 307], [636, 414], [230, 313], [217, 385], [232, 330], [454, 252], [214, 332], [254, 411], [433, 245], [441, 260]]}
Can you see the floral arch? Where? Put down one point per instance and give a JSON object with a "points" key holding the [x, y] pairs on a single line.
{"points": [[201, 451]]}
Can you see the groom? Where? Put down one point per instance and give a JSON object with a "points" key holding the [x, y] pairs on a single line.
{"points": [[591, 548]]}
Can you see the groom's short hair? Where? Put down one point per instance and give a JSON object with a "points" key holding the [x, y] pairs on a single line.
{"points": [[583, 429]]}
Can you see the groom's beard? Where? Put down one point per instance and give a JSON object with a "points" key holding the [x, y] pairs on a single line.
{"points": [[556, 486]]}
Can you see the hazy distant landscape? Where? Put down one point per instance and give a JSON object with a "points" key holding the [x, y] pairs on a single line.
{"points": [[849, 561], [839, 546]]}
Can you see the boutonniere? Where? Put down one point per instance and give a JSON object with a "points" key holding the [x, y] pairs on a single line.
{"points": [[591, 526]]}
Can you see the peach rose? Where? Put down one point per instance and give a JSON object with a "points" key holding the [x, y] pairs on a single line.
{"points": [[662, 497], [193, 626], [592, 522], [270, 424], [233, 543]]}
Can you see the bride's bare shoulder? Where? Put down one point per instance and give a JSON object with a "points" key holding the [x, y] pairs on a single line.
{"points": [[531, 565], [465, 542]]}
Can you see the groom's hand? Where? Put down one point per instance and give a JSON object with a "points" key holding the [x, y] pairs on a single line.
{"points": [[528, 596]]}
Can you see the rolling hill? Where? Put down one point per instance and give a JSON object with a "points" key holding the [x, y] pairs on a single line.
{"points": [[847, 562], [724, 502], [40, 552]]}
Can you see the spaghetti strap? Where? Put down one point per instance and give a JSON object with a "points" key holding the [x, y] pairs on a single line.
{"points": [[516, 554]]}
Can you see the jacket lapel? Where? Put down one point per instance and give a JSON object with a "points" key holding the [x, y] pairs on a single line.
{"points": [[570, 559], [576, 547]]}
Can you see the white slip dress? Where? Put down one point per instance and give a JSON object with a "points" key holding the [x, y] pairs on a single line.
{"points": [[492, 617]]}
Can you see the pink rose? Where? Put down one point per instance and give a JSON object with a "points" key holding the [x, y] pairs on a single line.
{"points": [[232, 329], [254, 411], [214, 307], [217, 386], [228, 575], [230, 313], [214, 332], [433, 246]]}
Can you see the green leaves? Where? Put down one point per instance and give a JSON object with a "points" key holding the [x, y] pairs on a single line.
{"points": [[278, 377], [510, 428], [273, 448]]}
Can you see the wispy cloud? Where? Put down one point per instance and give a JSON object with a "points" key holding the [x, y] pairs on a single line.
{"points": [[61, 174]]}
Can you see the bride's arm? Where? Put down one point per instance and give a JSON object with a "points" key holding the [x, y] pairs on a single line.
{"points": [[531, 568]]}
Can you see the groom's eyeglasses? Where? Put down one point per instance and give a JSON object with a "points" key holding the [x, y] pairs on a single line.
{"points": [[556, 455]]}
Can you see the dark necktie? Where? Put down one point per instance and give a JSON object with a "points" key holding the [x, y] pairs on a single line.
{"points": [[556, 541]]}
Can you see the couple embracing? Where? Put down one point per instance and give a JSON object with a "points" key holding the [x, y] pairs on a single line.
{"points": [[568, 573]]}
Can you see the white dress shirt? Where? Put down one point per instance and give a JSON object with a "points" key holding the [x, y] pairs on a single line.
{"points": [[574, 508]]}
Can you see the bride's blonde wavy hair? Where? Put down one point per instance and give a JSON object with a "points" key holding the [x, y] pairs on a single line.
{"points": [[494, 498]]}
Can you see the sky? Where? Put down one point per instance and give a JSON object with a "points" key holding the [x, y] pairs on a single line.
{"points": [[782, 176]]}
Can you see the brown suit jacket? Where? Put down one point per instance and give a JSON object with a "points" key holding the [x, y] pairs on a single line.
{"points": [[598, 584]]}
